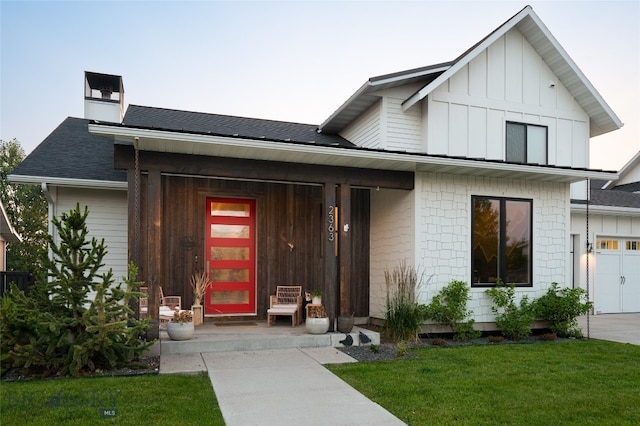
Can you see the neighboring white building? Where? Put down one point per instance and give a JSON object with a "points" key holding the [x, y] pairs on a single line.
{"points": [[7, 235], [471, 170]]}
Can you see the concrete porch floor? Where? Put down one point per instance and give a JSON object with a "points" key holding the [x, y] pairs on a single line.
{"points": [[256, 335]]}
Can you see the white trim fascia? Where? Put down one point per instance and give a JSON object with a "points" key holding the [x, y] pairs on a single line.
{"points": [[527, 11], [574, 67], [625, 170], [356, 95], [70, 182], [371, 85], [605, 210], [400, 160], [422, 93]]}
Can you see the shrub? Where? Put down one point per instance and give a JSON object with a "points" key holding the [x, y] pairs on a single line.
{"points": [[514, 321], [562, 307], [401, 349], [404, 315], [57, 329], [449, 307]]}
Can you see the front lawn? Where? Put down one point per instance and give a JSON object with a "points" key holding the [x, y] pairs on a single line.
{"points": [[134, 400], [578, 382]]}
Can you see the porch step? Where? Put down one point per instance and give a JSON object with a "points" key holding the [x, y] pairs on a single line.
{"points": [[211, 338]]}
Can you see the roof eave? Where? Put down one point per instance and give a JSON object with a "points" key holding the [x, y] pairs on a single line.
{"points": [[68, 182], [608, 210], [306, 153], [375, 83]]}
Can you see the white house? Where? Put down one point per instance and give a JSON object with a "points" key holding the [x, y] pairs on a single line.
{"points": [[466, 170], [7, 235]]}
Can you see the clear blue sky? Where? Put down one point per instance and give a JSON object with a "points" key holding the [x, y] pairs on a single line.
{"points": [[292, 61]]}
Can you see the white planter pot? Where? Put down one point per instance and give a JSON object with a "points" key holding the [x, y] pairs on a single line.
{"points": [[317, 325], [316, 300], [180, 330]]}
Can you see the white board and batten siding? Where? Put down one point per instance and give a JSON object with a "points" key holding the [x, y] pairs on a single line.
{"points": [[467, 114], [107, 219]]}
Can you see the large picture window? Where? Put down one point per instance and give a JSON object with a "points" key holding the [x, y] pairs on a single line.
{"points": [[526, 143], [501, 241]]}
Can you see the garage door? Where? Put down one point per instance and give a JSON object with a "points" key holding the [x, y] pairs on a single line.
{"points": [[617, 283]]}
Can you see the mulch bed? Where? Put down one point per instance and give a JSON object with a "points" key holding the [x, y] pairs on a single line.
{"points": [[388, 350], [143, 365]]}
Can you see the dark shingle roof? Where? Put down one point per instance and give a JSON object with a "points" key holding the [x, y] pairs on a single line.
{"points": [[614, 198], [70, 151], [225, 125], [628, 187]]}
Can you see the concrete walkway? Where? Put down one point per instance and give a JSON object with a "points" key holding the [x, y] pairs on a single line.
{"points": [[291, 387], [281, 387], [623, 328]]}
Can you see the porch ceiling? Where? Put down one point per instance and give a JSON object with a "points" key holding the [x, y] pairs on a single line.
{"points": [[353, 157]]}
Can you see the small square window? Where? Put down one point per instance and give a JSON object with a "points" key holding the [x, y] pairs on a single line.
{"points": [[526, 143]]}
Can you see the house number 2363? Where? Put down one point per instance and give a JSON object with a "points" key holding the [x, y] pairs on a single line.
{"points": [[331, 223]]}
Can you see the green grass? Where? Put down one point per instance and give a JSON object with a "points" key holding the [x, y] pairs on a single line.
{"points": [[556, 383], [149, 399]]}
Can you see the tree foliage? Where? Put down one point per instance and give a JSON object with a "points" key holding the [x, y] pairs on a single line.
{"points": [[58, 328], [26, 209]]}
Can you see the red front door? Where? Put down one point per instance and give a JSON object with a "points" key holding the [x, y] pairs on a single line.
{"points": [[230, 252]]}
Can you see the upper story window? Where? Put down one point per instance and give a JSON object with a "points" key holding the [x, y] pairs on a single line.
{"points": [[526, 143]]}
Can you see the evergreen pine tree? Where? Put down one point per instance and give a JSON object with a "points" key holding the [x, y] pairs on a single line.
{"points": [[57, 329]]}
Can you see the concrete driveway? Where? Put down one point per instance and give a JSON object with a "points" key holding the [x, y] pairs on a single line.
{"points": [[623, 328]]}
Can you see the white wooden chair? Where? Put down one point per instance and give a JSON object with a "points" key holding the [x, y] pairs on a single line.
{"points": [[168, 305], [143, 302], [286, 302]]}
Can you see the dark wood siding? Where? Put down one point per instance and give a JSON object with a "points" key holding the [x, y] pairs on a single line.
{"points": [[285, 213]]}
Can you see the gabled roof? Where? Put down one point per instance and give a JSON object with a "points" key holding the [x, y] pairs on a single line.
{"points": [[7, 233], [627, 175], [226, 125], [70, 152], [364, 98], [602, 117]]}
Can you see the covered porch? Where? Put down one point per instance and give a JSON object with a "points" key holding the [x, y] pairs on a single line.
{"points": [[312, 225]]}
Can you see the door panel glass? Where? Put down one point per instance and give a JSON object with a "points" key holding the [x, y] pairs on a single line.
{"points": [[230, 275], [229, 253], [229, 231], [229, 297], [229, 209]]}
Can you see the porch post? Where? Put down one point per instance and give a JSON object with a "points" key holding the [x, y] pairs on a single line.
{"points": [[344, 230], [154, 246], [330, 236]]}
